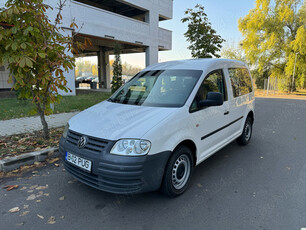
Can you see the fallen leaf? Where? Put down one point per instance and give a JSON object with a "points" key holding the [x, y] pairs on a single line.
{"points": [[46, 194], [41, 187], [41, 217], [33, 186], [25, 206], [56, 165], [34, 172], [16, 209], [70, 182], [31, 197], [38, 201], [51, 220], [62, 217], [23, 188], [199, 185], [53, 160], [10, 187], [31, 190], [20, 224], [24, 213], [62, 198]]}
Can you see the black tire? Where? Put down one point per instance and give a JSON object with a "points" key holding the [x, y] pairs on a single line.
{"points": [[178, 172], [246, 135]]}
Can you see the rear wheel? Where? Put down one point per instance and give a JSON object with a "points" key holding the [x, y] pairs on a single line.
{"points": [[246, 135], [178, 172]]}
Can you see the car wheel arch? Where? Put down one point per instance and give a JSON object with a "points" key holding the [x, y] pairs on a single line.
{"points": [[191, 145]]}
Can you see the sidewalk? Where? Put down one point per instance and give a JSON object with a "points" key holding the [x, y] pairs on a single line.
{"points": [[30, 124]]}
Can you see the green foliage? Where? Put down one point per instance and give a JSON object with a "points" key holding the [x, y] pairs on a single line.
{"points": [[260, 77], [204, 42], [274, 32], [35, 52], [117, 70], [235, 53]]}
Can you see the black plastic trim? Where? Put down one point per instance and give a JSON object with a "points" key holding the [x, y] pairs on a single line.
{"points": [[212, 133], [115, 173]]}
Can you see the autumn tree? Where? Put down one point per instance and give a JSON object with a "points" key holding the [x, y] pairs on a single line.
{"points": [[233, 52], [275, 37], [36, 52], [204, 42], [117, 69]]}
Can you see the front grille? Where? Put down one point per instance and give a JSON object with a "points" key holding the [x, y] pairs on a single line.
{"points": [[93, 144]]}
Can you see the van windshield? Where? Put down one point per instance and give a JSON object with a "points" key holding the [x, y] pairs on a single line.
{"points": [[161, 88]]}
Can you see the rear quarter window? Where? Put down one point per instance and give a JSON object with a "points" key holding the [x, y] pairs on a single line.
{"points": [[240, 80]]}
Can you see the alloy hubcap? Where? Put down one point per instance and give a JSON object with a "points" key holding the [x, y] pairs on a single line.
{"points": [[180, 171]]}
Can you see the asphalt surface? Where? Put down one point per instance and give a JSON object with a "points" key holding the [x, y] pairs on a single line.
{"points": [[260, 186]]}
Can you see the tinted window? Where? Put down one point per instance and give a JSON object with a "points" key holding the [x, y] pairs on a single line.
{"points": [[164, 88], [213, 82], [240, 80]]}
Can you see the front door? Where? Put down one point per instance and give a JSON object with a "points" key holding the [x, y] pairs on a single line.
{"points": [[210, 122]]}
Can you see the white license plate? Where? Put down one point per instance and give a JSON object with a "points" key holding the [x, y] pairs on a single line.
{"points": [[78, 161]]}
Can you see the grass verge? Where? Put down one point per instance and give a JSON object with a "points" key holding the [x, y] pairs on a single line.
{"points": [[13, 108]]}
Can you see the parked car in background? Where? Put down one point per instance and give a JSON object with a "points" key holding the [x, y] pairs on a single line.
{"points": [[87, 79], [153, 131]]}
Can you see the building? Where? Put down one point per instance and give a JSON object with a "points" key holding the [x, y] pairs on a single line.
{"points": [[132, 23]]}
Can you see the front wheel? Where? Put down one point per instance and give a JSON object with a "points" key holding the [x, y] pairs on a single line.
{"points": [[246, 135], [178, 172]]}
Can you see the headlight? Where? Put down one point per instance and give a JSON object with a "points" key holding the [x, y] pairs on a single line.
{"points": [[131, 147], [66, 131]]}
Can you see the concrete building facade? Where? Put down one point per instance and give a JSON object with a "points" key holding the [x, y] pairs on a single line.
{"points": [[134, 24]]}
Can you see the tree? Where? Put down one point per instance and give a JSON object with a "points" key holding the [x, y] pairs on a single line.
{"points": [[36, 53], [117, 69], [94, 70], [232, 52], [204, 42], [274, 34]]}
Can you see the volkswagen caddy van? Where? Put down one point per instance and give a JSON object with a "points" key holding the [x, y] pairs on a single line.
{"points": [[153, 131]]}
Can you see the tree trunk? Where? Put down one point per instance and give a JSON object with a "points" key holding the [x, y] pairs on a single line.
{"points": [[43, 122]]}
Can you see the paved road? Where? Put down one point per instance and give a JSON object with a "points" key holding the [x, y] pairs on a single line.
{"points": [[260, 186]]}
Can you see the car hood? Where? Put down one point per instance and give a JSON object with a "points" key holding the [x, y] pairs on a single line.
{"points": [[114, 121]]}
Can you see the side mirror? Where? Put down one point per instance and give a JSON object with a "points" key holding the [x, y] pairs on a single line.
{"points": [[212, 99]]}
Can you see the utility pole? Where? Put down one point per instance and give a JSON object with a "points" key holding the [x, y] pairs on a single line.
{"points": [[293, 73]]}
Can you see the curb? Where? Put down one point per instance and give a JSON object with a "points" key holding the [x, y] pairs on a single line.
{"points": [[12, 163], [280, 97]]}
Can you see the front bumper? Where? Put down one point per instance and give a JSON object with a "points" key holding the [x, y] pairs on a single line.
{"points": [[117, 174]]}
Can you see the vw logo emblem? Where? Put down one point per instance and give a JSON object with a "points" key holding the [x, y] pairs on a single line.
{"points": [[82, 142]]}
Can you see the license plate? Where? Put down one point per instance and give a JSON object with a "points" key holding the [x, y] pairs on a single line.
{"points": [[78, 161]]}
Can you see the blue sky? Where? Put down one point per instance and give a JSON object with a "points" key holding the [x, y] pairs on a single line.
{"points": [[223, 14]]}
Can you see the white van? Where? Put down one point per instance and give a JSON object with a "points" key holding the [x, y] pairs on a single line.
{"points": [[157, 127]]}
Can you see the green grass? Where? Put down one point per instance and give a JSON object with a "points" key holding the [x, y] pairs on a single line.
{"points": [[13, 108]]}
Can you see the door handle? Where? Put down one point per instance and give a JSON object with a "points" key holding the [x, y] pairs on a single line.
{"points": [[227, 112]]}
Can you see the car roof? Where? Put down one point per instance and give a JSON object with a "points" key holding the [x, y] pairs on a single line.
{"points": [[205, 64]]}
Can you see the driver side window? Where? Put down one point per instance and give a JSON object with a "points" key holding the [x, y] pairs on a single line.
{"points": [[213, 82]]}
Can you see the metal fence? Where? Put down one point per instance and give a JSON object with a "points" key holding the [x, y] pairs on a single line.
{"points": [[273, 85]]}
